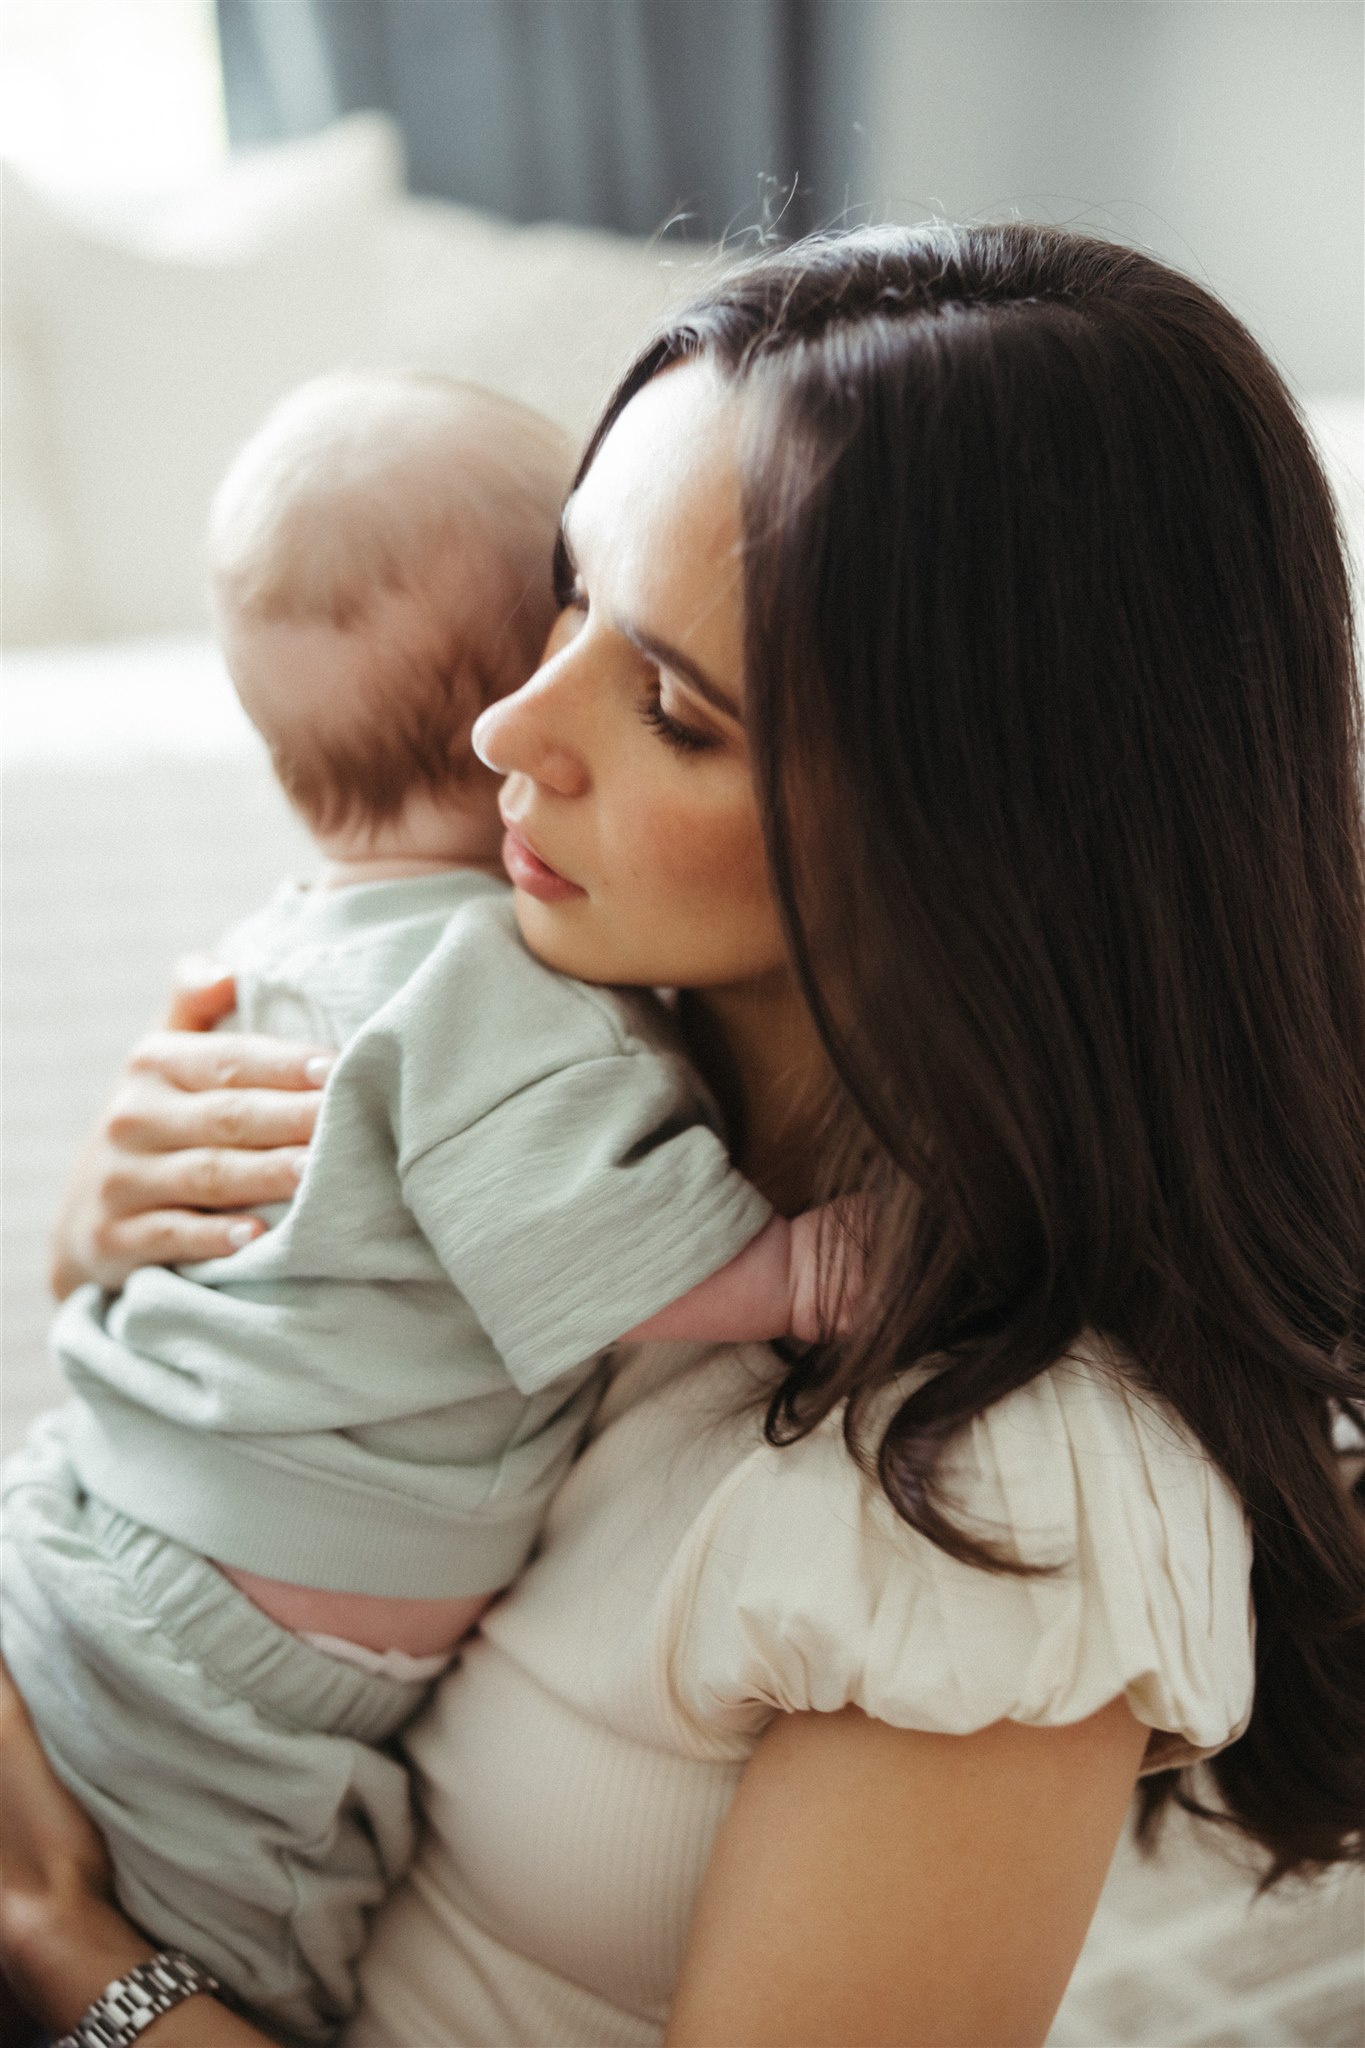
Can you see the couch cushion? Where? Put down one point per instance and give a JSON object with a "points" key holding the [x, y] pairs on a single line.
{"points": [[155, 343], [549, 315]]}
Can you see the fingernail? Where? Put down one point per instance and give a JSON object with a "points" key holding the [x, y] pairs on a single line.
{"points": [[297, 1164], [239, 1234], [318, 1068]]}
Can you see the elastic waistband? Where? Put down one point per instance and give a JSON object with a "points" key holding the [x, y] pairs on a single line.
{"points": [[67, 1536]]}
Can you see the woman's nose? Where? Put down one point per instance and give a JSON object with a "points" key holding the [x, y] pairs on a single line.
{"points": [[514, 737]]}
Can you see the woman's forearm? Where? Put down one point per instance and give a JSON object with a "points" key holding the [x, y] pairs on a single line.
{"points": [[61, 1957], [63, 1941], [60, 1954]]}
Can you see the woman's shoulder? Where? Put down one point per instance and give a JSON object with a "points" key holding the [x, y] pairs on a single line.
{"points": [[809, 1591]]}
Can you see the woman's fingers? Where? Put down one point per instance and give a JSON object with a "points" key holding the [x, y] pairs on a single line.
{"points": [[125, 1210], [149, 1114], [170, 1237], [198, 1177], [201, 1120], [165, 1151], [231, 1059], [138, 1193]]}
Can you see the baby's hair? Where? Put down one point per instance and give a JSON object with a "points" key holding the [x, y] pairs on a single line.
{"points": [[365, 491]]}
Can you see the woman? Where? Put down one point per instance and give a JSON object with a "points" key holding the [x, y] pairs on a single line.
{"points": [[957, 704]]}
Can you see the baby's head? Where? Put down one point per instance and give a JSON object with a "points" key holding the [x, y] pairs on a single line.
{"points": [[380, 559]]}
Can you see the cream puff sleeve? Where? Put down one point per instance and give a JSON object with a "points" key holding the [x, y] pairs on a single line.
{"points": [[800, 1588]]}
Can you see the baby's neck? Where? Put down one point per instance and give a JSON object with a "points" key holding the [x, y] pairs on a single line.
{"points": [[394, 867], [426, 838]]}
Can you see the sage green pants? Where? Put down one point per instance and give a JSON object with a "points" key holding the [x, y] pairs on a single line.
{"points": [[238, 1775]]}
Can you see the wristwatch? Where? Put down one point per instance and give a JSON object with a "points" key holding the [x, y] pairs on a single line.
{"points": [[131, 2003]]}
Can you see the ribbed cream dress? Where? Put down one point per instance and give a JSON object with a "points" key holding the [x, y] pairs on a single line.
{"points": [[693, 1582]]}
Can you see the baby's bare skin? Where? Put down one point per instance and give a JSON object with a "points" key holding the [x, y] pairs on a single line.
{"points": [[419, 1628]]}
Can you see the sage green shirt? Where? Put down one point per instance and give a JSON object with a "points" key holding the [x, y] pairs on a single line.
{"points": [[509, 1170]]}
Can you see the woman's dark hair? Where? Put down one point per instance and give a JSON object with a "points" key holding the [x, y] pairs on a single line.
{"points": [[1052, 696]]}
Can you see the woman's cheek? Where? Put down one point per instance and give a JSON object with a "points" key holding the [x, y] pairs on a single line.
{"points": [[706, 862], [704, 848]]}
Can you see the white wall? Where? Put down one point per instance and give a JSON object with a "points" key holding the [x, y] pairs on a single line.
{"points": [[1226, 135]]}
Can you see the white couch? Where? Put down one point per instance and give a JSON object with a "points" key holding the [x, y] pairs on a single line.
{"points": [[143, 342], [140, 818]]}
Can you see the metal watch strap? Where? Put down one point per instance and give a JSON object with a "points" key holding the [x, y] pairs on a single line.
{"points": [[131, 2003]]}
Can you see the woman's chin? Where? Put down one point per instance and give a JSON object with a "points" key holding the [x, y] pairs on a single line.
{"points": [[565, 936], [548, 931]]}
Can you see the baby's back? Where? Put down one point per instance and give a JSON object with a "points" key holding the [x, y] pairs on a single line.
{"points": [[325, 1405]]}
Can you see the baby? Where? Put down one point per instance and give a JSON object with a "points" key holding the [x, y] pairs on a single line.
{"points": [[291, 1479]]}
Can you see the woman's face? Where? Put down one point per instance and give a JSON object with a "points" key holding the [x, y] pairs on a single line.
{"points": [[633, 838]]}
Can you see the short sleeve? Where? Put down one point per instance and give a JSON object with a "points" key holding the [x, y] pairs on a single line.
{"points": [[581, 1205], [555, 1147], [804, 1590]]}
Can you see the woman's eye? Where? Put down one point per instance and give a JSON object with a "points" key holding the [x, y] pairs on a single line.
{"points": [[684, 739]]}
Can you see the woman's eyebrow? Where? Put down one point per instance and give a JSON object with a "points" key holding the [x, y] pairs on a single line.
{"points": [[660, 651], [670, 657]]}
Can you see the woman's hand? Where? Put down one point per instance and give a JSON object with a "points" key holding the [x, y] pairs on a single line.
{"points": [[203, 1126]]}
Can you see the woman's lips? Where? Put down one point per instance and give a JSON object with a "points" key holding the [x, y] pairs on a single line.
{"points": [[529, 872]]}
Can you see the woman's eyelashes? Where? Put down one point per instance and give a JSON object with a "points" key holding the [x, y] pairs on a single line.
{"points": [[571, 597], [684, 739]]}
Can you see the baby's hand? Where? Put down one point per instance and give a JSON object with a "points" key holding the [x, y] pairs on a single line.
{"points": [[775, 1286]]}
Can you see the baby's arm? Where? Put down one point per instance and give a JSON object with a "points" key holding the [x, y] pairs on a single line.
{"points": [[771, 1288]]}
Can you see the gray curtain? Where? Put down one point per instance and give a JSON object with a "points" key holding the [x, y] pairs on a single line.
{"points": [[709, 115]]}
